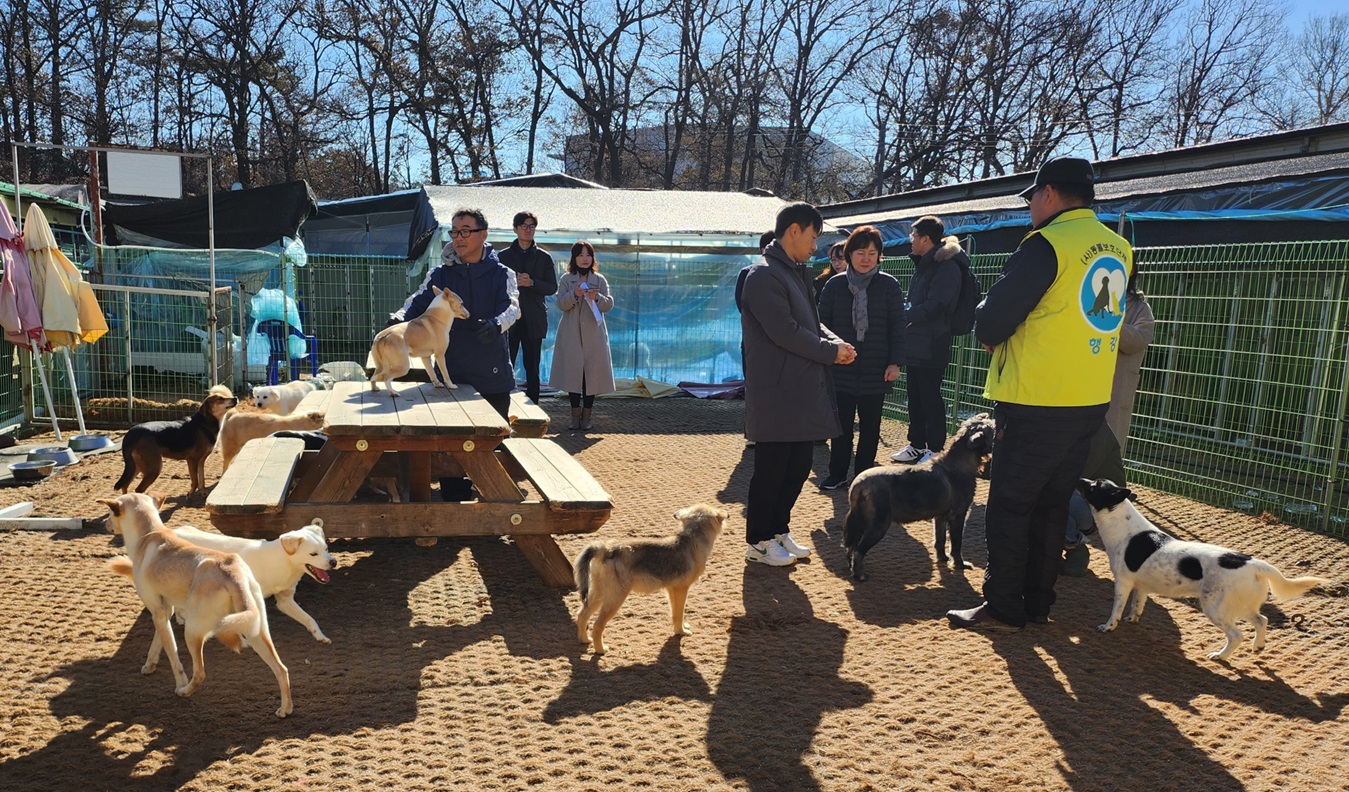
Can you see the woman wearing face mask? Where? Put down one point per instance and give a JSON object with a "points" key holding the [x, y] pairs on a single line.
{"points": [[582, 365], [864, 307]]}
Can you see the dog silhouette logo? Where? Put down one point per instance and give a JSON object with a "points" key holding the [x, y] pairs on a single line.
{"points": [[1102, 293]]}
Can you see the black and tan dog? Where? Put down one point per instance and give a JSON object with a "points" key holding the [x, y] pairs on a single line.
{"points": [[941, 490], [192, 439], [607, 573]]}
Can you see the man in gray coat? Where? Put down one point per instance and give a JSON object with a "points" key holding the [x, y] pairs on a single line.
{"points": [[788, 400]]}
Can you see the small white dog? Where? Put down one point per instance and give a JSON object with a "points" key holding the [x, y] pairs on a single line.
{"points": [[1230, 586], [278, 564], [282, 399], [215, 593]]}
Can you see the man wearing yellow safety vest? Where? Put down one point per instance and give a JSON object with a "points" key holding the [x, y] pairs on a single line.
{"points": [[1052, 325]]}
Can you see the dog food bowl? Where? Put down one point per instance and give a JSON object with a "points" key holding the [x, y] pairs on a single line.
{"points": [[90, 442], [61, 455], [32, 470]]}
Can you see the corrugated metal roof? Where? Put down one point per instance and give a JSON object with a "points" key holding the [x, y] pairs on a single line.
{"points": [[1190, 181], [618, 211]]}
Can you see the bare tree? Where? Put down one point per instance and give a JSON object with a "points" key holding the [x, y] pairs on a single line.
{"points": [[595, 64], [1219, 62], [1116, 90], [826, 40], [1321, 61], [112, 31], [237, 48]]}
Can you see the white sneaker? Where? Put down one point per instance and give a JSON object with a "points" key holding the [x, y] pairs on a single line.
{"points": [[927, 455], [769, 552], [789, 544], [908, 455]]}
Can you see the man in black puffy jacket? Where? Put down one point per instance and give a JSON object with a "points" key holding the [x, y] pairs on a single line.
{"points": [[933, 293]]}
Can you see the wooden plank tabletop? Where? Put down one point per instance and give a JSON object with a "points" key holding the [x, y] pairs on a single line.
{"points": [[316, 401], [419, 409]]}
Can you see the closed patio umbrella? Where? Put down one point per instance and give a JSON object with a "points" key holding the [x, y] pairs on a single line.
{"points": [[19, 313], [70, 312]]}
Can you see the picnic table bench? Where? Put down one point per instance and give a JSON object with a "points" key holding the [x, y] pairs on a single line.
{"points": [[274, 485]]}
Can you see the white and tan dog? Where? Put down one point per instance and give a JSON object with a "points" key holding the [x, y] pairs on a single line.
{"points": [[278, 564], [282, 399], [240, 427], [214, 591], [606, 573], [425, 337], [1230, 586]]}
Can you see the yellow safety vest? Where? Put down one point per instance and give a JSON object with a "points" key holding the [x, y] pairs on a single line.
{"points": [[1063, 355]]}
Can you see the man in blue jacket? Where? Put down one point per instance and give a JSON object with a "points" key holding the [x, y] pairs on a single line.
{"points": [[478, 354]]}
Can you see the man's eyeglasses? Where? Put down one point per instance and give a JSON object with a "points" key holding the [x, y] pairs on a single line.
{"points": [[1031, 197], [530, 226], [462, 233]]}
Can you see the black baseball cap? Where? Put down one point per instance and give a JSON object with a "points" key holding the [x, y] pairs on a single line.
{"points": [[1062, 170]]}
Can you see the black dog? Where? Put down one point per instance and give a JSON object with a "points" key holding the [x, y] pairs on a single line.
{"points": [[941, 491], [192, 439]]}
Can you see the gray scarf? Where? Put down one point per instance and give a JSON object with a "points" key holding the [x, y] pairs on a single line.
{"points": [[857, 284]]}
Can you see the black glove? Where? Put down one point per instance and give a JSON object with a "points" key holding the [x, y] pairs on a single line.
{"points": [[488, 333]]}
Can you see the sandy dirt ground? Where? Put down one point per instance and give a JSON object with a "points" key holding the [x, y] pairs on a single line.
{"points": [[453, 667]]}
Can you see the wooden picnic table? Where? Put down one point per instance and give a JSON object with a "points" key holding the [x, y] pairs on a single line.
{"points": [[274, 485]]}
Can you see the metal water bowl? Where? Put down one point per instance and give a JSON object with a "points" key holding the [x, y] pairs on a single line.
{"points": [[90, 442], [61, 455], [32, 470]]}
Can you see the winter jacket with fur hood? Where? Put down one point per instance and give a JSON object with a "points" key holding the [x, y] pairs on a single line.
{"points": [[933, 294]]}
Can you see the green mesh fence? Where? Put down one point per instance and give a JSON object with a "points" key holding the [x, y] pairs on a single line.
{"points": [[1242, 401], [1242, 398], [345, 300]]}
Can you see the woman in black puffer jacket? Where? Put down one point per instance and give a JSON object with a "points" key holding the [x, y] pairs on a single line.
{"points": [[864, 307]]}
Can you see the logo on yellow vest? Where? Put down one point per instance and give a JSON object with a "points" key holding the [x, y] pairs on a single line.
{"points": [[1102, 293]]}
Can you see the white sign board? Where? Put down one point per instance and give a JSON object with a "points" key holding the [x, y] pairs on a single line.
{"points": [[149, 175]]}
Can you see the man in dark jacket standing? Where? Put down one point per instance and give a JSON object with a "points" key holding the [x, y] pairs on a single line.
{"points": [[788, 401], [1052, 323], [536, 276], [477, 354], [933, 294]]}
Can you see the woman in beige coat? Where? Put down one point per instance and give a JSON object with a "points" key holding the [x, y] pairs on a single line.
{"points": [[1134, 336], [582, 365]]}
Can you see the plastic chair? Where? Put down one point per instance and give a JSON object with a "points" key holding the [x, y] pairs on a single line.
{"points": [[278, 338]]}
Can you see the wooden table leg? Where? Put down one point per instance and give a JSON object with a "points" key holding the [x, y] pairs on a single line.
{"points": [[419, 476], [489, 477], [323, 462], [542, 553], [344, 476]]}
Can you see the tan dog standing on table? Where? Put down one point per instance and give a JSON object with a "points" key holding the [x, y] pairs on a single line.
{"points": [[215, 592], [607, 573], [278, 564], [240, 427], [425, 336]]}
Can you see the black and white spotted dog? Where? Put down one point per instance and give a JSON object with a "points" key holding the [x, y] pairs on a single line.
{"points": [[1230, 586]]}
